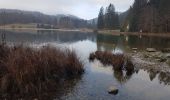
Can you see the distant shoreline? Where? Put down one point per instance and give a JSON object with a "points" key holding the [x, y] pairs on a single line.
{"points": [[116, 32], [42, 29], [107, 32]]}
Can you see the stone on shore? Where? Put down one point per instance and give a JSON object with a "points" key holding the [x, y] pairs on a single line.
{"points": [[151, 50], [167, 55], [166, 50], [168, 61], [113, 90], [134, 48]]}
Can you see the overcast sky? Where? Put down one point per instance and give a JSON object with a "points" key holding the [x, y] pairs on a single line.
{"points": [[86, 9]]}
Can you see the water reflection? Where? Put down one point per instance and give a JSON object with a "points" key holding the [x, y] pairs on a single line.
{"points": [[117, 43], [94, 83], [106, 42], [163, 77], [152, 74], [110, 43], [125, 43], [64, 89], [122, 76], [48, 36], [143, 42]]}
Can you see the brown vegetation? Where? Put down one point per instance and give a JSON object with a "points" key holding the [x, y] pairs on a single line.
{"points": [[118, 61], [26, 71]]}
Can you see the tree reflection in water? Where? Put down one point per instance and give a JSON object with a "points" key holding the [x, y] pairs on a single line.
{"points": [[163, 77], [122, 76]]}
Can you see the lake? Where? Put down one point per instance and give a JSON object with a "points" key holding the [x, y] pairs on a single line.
{"points": [[94, 83]]}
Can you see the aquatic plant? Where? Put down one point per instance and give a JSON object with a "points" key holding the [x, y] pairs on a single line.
{"points": [[118, 61], [26, 71]]}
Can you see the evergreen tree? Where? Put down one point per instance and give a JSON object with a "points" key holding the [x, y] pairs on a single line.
{"points": [[116, 21], [155, 3], [164, 10], [106, 18], [137, 8], [100, 23], [111, 18], [149, 16]]}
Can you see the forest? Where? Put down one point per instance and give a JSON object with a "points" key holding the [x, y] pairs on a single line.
{"points": [[150, 16], [108, 19]]}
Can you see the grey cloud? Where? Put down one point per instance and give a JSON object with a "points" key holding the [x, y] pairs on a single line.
{"points": [[83, 8]]}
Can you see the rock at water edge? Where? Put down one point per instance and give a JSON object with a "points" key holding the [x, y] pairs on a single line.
{"points": [[151, 50], [113, 90]]}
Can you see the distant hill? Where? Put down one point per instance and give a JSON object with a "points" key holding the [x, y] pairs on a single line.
{"points": [[10, 16], [92, 23]]}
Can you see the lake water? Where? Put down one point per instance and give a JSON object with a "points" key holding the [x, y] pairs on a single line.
{"points": [[94, 83]]}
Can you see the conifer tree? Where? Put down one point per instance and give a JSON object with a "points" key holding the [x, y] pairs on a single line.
{"points": [[100, 23]]}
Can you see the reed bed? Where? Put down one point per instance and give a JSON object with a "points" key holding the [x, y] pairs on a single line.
{"points": [[26, 71]]}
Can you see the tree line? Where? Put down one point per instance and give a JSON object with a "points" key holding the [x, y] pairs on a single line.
{"points": [[148, 16], [108, 18], [152, 16]]}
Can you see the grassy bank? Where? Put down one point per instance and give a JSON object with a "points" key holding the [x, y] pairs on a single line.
{"points": [[26, 71], [33, 27], [110, 32]]}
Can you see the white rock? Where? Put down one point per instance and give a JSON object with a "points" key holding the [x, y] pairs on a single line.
{"points": [[151, 49], [167, 55], [113, 90], [134, 48]]}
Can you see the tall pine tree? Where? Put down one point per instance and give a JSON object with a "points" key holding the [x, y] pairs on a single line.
{"points": [[100, 23], [109, 20], [134, 20]]}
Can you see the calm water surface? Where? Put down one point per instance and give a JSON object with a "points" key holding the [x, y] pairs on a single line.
{"points": [[93, 85]]}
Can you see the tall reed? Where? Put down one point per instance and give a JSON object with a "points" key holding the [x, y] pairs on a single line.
{"points": [[28, 71]]}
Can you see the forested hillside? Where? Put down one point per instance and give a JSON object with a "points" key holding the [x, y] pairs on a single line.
{"points": [[148, 16], [8, 16]]}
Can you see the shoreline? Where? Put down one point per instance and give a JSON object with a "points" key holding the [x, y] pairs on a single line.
{"points": [[105, 32], [42, 29], [116, 32]]}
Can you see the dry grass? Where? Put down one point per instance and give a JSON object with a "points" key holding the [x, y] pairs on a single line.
{"points": [[118, 61], [28, 71]]}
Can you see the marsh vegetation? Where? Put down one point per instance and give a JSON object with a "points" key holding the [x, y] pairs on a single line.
{"points": [[26, 71]]}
